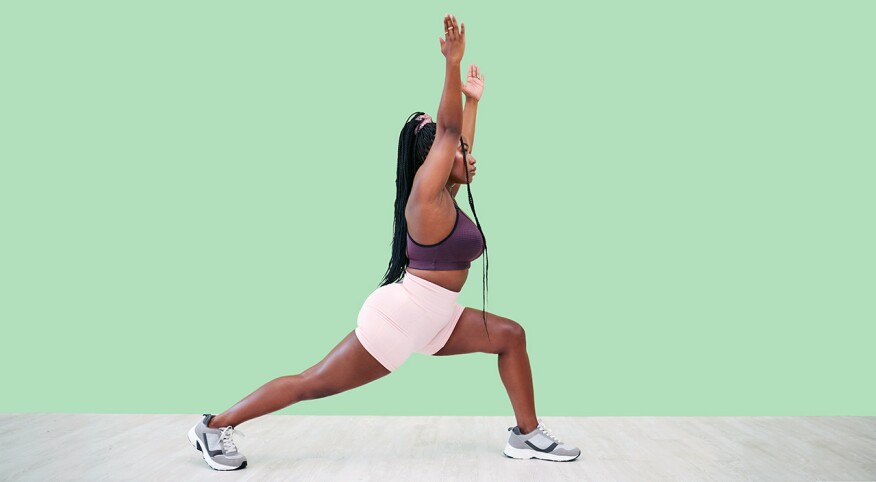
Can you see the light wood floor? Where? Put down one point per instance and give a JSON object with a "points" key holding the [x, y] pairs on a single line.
{"points": [[58, 446]]}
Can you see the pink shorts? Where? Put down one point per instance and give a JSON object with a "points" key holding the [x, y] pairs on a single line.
{"points": [[399, 319]]}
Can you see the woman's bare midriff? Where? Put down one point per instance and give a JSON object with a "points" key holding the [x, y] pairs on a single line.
{"points": [[447, 279]]}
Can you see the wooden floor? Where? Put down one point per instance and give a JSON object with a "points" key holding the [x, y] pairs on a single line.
{"points": [[59, 446]]}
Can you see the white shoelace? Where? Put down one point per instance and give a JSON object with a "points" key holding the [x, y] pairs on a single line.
{"points": [[548, 432], [225, 438]]}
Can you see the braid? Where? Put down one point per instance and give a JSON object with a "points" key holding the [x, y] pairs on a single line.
{"points": [[412, 150], [486, 257]]}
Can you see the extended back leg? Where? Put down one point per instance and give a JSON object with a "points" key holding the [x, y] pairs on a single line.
{"points": [[348, 365]]}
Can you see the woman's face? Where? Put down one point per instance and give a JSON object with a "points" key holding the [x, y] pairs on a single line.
{"points": [[457, 173]]}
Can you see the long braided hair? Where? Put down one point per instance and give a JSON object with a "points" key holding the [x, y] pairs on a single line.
{"points": [[412, 150]]}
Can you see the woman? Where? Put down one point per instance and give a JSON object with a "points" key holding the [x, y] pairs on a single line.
{"points": [[432, 249]]}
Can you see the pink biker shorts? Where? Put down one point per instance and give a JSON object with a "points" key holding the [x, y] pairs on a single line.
{"points": [[414, 315]]}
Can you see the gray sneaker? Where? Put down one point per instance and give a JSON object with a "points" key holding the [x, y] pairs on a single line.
{"points": [[539, 444], [216, 445]]}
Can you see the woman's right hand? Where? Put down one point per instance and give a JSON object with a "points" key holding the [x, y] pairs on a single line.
{"points": [[453, 45]]}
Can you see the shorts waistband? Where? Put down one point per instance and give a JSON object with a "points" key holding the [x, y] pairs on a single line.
{"points": [[423, 287]]}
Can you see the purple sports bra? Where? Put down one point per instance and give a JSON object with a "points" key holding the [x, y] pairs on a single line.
{"points": [[463, 245]]}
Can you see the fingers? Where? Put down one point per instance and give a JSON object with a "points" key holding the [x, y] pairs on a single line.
{"points": [[474, 71], [452, 28]]}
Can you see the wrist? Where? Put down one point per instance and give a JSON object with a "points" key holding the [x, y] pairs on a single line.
{"points": [[470, 100]]}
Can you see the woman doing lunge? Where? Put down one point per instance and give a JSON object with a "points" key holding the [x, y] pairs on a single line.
{"points": [[415, 309]]}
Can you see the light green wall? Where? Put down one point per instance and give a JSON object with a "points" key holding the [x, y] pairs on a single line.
{"points": [[196, 197]]}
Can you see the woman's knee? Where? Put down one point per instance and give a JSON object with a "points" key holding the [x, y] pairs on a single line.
{"points": [[312, 386], [513, 333]]}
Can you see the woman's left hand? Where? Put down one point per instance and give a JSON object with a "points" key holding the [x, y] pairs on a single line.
{"points": [[474, 84]]}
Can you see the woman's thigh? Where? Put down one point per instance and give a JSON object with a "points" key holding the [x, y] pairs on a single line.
{"points": [[469, 335], [348, 365]]}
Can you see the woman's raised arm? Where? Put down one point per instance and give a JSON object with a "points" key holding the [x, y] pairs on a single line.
{"points": [[432, 176], [473, 89], [453, 48]]}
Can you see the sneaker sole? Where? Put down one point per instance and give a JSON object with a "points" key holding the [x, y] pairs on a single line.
{"points": [[516, 453], [193, 438]]}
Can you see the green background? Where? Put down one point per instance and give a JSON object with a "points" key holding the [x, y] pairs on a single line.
{"points": [[196, 198]]}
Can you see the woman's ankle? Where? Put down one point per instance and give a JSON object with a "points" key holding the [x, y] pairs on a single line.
{"points": [[529, 428], [215, 423]]}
